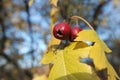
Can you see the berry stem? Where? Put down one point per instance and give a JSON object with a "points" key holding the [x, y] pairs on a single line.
{"points": [[73, 17]]}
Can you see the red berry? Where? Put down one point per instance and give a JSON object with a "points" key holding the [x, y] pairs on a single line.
{"points": [[74, 31], [62, 31]]}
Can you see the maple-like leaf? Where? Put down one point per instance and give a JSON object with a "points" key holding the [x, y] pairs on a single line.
{"points": [[97, 52], [67, 65], [48, 57]]}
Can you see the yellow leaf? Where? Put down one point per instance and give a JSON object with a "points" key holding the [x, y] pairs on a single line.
{"points": [[91, 35], [76, 45], [116, 3], [54, 10], [97, 52], [79, 48], [67, 63], [98, 56], [83, 53], [48, 58], [53, 44], [30, 2], [53, 40], [54, 2], [39, 77], [54, 17], [111, 72]]}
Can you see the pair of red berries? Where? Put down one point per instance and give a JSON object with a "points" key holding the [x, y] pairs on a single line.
{"points": [[63, 31]]}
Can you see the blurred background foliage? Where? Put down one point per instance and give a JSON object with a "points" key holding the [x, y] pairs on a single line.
{"points": [[25, 32]]}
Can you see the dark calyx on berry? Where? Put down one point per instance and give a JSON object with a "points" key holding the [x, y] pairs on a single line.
{"points": [[62, 31], [74, 31]]}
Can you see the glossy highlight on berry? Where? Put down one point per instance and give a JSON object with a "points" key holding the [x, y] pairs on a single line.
{"points": [[62, 31]]}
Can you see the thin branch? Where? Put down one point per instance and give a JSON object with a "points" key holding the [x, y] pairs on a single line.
{"points": [[2, 46], [30, 25], [3, 40], [2, 14], [74, 17], [98, 12]]}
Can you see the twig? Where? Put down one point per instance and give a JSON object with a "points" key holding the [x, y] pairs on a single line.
{"points": [[2, 46], [30, 26], [74, 17], [98, 12]]}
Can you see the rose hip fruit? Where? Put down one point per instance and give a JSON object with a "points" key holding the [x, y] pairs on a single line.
{"points": [[74, 31], [62, 31]]}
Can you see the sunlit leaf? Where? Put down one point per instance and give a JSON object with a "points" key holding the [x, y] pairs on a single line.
{"points": [[91, 35], [54, 17], [81, 47], [48, 58], [112, 75], [97, 51], [67, 63], [53, 40], [54, 10], [98, 55]]}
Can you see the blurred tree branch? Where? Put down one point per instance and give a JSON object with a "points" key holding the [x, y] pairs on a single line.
{"points": [[2, 46], [30, 27], [3, 40], [97, 13]]}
